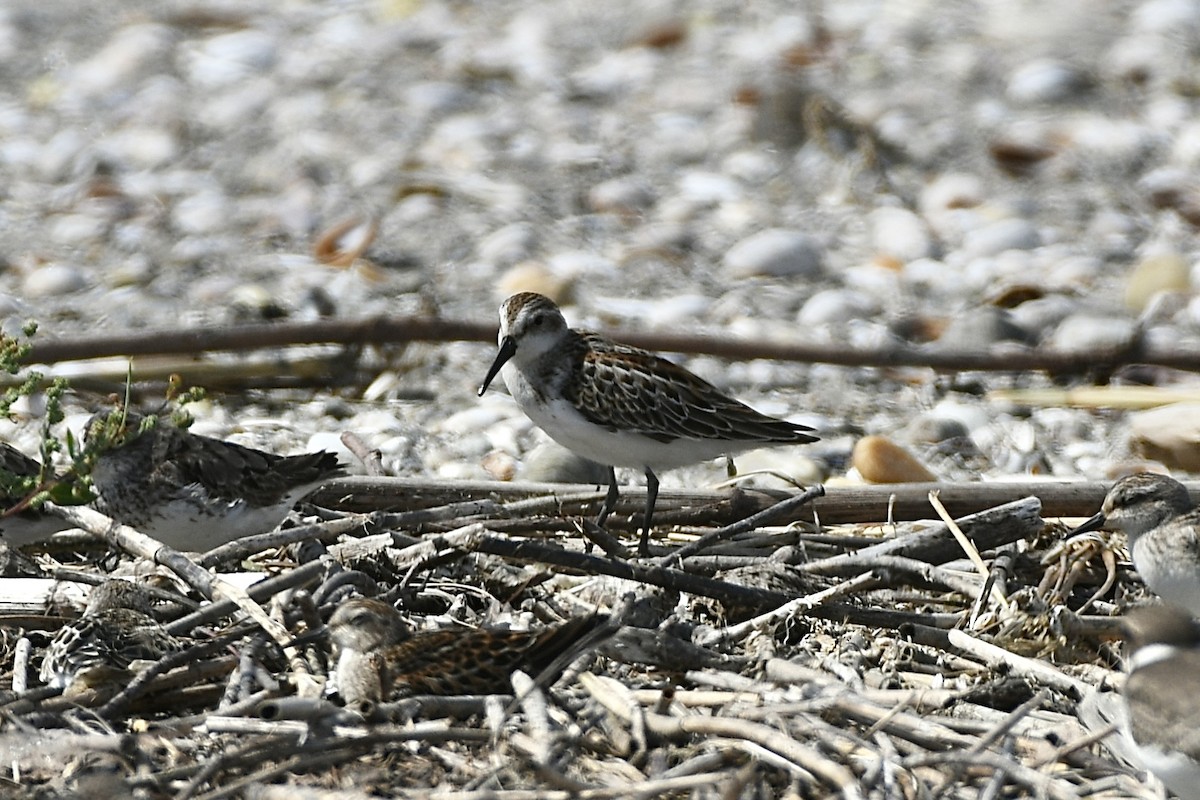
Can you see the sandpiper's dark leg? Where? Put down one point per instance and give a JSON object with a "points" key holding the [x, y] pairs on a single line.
{"points": [[610, 499], [651, 497]]}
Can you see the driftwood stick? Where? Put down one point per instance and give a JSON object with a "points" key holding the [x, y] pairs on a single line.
{"points": [[696, 584], [384, 330], [840, 504], [800, 604], [784, 509], [771, 738], [1041, 671], [987, 529], [138, 544], [259, 592], [249, 545]]}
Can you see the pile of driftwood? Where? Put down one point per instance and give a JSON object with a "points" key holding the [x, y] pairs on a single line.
{"points": [[775, 646]]}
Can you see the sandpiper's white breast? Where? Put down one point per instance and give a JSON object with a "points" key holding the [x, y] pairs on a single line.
{"points": [[1168, 567]]}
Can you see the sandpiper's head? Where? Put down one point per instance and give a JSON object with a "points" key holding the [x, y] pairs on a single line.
{"points": [[364, 624], [1155, 632], [1139, 502], [530, 324], [117, 593]]}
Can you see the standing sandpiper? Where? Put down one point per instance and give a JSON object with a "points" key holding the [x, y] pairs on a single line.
{"points": [[115, 630], [380, 657], [1162, 693], [30, 524], [1163, 527], [194, 493], [619, 405]]}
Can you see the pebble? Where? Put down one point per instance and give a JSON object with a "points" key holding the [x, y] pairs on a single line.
{"points": [[952, 190], [1168, 434], [999, 236], [1086, 333], [550, 462], [1154, 274], [507, 245], [1045, 80], [637, 174], [900, 234], [53, 280], [835, 307], [777, 252], [533, 276], [880, 460], [627, 195], [980, 328]]}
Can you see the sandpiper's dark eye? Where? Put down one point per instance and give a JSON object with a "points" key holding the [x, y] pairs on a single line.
{"points": [[538, 320]]}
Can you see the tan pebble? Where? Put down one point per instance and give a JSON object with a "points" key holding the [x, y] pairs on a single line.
{"points": [[500, 466], [880, 460], [531, 276], [550, 462], [1163, 272], [1169, 434]]}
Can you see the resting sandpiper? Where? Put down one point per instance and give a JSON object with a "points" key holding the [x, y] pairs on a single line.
{"points": [[194, 493], [379, 657], [115, 630], [1162, 694], [1163, 527], [30, 524], [619, 405]]}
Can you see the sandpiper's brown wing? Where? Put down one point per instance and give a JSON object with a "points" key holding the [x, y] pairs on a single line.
{"points": [[627, 388], [479, 661], [227, 470]]}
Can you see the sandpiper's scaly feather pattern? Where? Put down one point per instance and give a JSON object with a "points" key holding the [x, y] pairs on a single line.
{"points": [[193, 492], [115, 630], [628, 389], [379, 657], [618, 405]]}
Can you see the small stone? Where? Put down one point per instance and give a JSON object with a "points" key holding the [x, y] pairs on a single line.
{"points": [[52, 280], [500, 465], [1038, 317], [507, 245], [1169, 434], [1005, 234], [627, 196], [77, 229], [836, 307], [1089, 334], [777, 252], [550, 462], [1162, 272], [931, 428], [980, 328], [880, 460], [533, 276], [1046, 80], [952, 190], [900, 234]]}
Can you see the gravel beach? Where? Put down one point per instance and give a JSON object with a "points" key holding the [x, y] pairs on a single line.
{"points": [[978, 175], [857, 173]]}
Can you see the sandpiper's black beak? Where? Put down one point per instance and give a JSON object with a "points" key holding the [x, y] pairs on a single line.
{"points": [[1093, 524], [308, 637], [508, 347]]}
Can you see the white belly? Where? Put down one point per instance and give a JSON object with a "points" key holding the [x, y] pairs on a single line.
{"points": [[562, 423], [1177, 772]]}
